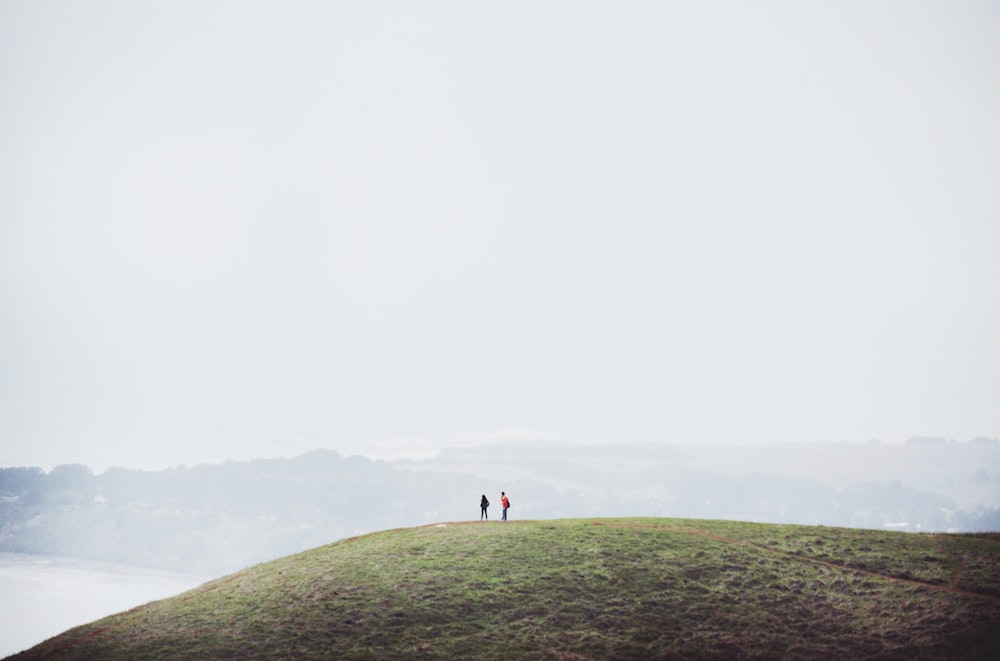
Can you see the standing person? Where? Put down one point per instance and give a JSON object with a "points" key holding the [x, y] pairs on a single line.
{"points": [[483, 504], [504, 503]]}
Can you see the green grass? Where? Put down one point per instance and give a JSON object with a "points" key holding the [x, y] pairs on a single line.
{"points": [[582, 589]]}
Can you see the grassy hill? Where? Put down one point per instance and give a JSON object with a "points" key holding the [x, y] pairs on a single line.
{"points": [[582, 589]]}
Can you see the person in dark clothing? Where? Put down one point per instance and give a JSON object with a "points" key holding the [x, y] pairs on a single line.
{"points": [[483, 504]]}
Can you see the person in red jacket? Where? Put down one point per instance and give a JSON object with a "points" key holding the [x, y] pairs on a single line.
{"points": [[504, 503]]}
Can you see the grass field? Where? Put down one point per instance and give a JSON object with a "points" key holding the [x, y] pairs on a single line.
{"points": [[582, 589]]}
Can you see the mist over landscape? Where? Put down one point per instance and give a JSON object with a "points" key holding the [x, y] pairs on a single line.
{"points": [[218, 518], [232, 230], [213, 519], [277, 274]]}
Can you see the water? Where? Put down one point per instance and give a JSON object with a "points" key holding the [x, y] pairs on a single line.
{"points": [[42, 596]]}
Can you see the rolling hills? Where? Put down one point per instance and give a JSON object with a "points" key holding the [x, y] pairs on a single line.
{"points": [[627, 588]]}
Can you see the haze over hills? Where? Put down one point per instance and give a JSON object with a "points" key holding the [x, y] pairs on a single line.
{"points": [[219, 518]]}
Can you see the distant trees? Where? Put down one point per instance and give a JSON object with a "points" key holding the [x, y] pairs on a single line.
{"points": [[21, 485], [208, 517], [219, 518], [70, 477], [926, 440], [984, 519]]}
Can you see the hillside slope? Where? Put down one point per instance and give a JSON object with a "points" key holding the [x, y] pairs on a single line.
{"points": [[581, 588]]}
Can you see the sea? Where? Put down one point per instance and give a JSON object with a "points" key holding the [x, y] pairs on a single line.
{"points": [[42, 596]]}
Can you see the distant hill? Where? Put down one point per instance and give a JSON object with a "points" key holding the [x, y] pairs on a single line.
{"points": [[217, 519], [630, 588]]}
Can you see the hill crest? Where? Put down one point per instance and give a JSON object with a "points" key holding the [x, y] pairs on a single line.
{"points": [[582, 589]]}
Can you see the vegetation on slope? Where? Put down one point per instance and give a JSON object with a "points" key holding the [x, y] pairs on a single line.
{"points": [[583, 588]]}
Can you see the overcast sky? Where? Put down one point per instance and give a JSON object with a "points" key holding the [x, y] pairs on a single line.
{"points": [[238, 229]]}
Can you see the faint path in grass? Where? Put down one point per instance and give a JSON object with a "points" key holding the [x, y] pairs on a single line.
{"points": [[957, 571], [951, 588], [956, 576]]}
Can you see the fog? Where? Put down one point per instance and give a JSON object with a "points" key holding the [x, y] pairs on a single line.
{"points": [[232, 230], [219, 518], [76, 545], [44, 596], [687, 259]]}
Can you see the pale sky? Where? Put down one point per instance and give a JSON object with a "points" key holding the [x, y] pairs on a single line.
{"points": [[239, 229]]}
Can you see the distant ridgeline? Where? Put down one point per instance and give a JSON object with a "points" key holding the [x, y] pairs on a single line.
{"points": [[936, 440], [219, 518]]}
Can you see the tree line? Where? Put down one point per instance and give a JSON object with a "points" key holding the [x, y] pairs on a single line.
{"points": [[223, 517]]}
